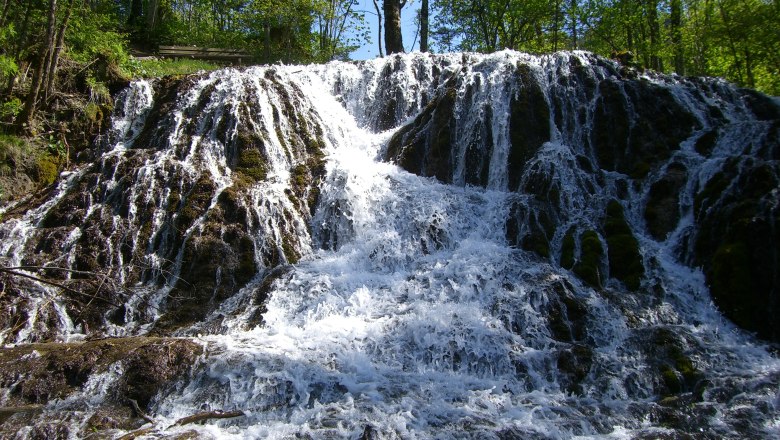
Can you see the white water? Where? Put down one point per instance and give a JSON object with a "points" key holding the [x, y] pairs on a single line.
{"points": [[411, 314], [408, 326]]}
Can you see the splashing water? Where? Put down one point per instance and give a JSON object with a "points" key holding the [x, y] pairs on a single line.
{"points": [[409, 313]]}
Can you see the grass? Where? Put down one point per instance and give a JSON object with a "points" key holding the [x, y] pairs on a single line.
{"points": [[154, 68]]}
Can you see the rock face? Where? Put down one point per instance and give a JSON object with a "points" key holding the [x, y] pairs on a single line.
{"points": [[186, 201], [432, 246], [663, 149]]}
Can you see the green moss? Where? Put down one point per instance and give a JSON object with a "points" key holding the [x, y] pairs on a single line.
{"points": [[732, 284], [290, 254], [625, 261], [298, 176], [567, 249], [47, 170], [252, 164], [529, 123], [591, 252]]}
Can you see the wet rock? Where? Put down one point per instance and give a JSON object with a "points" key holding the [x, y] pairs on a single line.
{"points": [[589, 263], [737, 244], [529, 123], [662, 211], [425, 146], [625, 261], [39, 373], [636, 125]]}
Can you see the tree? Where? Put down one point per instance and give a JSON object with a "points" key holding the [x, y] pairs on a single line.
{"points": [[424, 26], [42, 68], [340, 26], [379, 26], [393, 38]]}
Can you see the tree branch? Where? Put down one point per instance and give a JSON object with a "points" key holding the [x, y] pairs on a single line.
{"points": [[10, 271], [208, 415]]}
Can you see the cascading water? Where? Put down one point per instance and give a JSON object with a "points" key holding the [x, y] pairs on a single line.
{"points": [[269, 216]]}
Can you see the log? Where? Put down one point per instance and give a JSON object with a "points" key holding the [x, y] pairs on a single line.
{"points": [[208, 415]]}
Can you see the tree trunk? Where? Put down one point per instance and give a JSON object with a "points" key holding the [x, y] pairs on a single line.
{"points": [[655, 35], [4, 13], [136, 11], [675, 22], [57, 50], [393, 38], [267, 42], [574, 42], [42, 69], [424, 26], [379, 21], [151, 17]]}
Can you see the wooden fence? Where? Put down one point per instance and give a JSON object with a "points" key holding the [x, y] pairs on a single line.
{"points": [[205, 53]]}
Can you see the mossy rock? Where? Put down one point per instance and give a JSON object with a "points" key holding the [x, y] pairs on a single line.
{"points": [[637, 125], [573, 365], [662, 211], [568, 246], [675, 370], [61, 369], [252, 165], [424, 146], [529, 123], [625, 261], [588, 266], [737, 243], [566, 314]]}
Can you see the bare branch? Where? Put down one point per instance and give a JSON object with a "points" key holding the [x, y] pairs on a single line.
{"points": [[55, 284], [138, 411], [208, 415]]}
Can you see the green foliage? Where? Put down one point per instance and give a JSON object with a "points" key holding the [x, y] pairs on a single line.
{"points": [[154, 68], [11, 108]]}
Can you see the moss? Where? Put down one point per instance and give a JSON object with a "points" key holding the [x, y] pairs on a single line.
{"points": [[731, 282], [591, 253], [567, 249], [60, 369], [424, 147], [529, 123], [662, 212], [47, 170], [299, 176], [640, 170], [252, 164], [625, 261], [290, 253], [676, 371]]}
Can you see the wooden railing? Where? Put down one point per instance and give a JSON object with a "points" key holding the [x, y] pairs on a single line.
{"points": [[204, 53]]}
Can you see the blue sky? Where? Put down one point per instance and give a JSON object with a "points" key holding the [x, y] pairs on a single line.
{"points": [[408, 28]]}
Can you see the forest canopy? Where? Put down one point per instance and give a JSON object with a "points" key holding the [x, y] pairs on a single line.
{"points": [[735, 39]]}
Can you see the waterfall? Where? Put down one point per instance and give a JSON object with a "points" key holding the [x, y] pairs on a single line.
{"points": [[420, 246]]}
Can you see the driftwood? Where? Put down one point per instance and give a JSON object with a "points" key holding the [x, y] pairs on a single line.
{"points": [[208, 415], [199, 417], [138, 411], [137, 433]]}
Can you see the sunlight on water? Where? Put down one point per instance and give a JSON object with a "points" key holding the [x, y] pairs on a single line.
{"points": [[409, 314]]}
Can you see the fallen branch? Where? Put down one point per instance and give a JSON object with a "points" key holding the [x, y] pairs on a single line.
{"points": [[208, 415], [138, 411], [137, 433], [55, 284]]}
